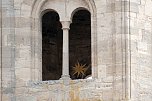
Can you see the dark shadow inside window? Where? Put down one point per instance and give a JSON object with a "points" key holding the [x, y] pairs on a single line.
{"points": [[80, 45], [51, 46]]}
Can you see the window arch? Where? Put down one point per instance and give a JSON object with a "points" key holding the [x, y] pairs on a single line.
{"points": [[51, 46], [80, 44], [39, 8]]}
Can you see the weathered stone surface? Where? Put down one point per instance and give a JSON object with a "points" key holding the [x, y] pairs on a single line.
{"points": [[121, 51]]}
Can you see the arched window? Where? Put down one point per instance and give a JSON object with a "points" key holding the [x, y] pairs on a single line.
{"points": [[51, 46], [80, 45], [46, 61]]}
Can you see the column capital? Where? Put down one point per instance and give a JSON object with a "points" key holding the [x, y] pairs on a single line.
{"points": [[65, 24]]}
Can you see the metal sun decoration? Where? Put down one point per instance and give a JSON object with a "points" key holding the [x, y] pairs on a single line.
{"points": [[79, 69]]}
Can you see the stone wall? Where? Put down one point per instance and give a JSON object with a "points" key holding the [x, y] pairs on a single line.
{"points": [[7, 50], [141, 46], [121, 52]]}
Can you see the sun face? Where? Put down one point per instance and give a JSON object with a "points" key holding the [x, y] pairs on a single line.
{"points": [[79, 69]]}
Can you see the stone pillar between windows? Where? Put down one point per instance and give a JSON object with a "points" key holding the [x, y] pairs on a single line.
{"points": [[65, 58]]}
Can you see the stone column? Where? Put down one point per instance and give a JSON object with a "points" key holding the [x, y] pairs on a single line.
{"points": [[65, 58]]}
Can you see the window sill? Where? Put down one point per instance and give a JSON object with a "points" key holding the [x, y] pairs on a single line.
{"points": [[60, 81]]}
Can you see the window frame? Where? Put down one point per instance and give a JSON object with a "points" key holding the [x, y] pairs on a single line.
{"points": [[37, 13]]}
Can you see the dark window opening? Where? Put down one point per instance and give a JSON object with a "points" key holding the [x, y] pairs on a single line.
{"points": [[51, 46], [80, 45]]}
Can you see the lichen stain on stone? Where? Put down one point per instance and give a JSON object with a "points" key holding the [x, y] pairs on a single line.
{"points": [[74, 97], [75, 92]]}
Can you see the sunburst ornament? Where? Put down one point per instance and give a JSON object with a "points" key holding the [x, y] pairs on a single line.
{"points": [[80, 69]]}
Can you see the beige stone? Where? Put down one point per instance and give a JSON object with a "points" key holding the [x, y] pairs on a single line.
{"points": [[121, 46]]}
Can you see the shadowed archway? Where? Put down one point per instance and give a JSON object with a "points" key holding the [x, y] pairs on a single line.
{"points": [[51, 46], [80, 45]]}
